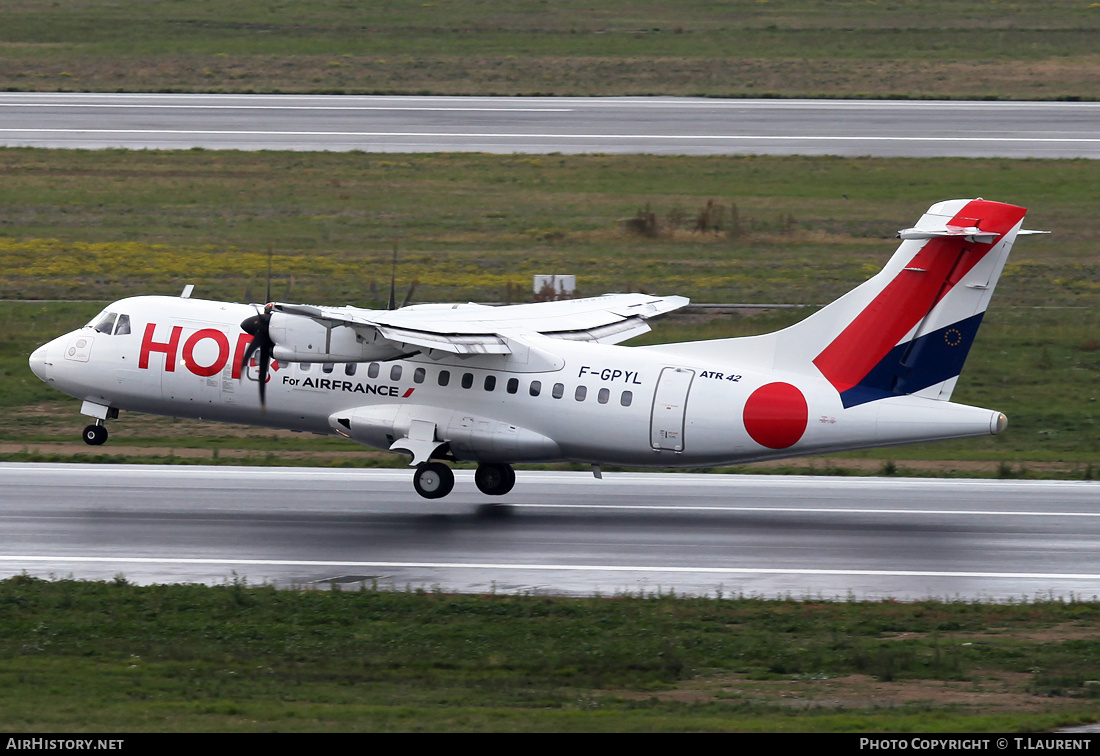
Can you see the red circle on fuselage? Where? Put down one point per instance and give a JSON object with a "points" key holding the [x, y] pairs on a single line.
{"points": [[775, 415]]}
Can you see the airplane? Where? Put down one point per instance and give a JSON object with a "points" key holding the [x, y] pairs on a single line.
{"points": [[550, 382]]}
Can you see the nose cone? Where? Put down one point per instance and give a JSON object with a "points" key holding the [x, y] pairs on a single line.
{"points": [[39, 362]]}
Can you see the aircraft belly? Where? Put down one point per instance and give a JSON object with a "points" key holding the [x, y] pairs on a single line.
{"points": [[488, 440], [468, 435]]}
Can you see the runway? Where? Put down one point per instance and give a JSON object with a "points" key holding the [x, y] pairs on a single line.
{"points": [[556, 533], [654, 125]]}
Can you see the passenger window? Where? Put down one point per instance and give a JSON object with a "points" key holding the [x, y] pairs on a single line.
{"points": [[490, 382], [122, 327], [559, 390], [327, 367], [444, 377], [627, 398], [536, 388], [603, 396], [349, 368], [418, 375], [306, 366], [513, 385], [581, 393], [467, 380], [372, 370], [395, 373]]}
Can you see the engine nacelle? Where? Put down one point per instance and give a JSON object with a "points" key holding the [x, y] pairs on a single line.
{"points": [[302, 339]]}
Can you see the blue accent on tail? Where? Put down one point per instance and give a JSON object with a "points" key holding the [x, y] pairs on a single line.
{"points": [[917, 364]]}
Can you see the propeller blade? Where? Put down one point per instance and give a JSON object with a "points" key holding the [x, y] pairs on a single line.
{"points": [[393, 280], [265, 361], [259, 328], [269, 253], [248, 352], [409, 296]]}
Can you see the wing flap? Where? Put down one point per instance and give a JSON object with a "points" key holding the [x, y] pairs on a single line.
{"points": [[611, 333], [456, 343]]}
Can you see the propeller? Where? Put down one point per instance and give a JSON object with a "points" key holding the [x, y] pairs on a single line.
{"points": [[392, 304], [409, 296], [393, 281], [259, 328]]}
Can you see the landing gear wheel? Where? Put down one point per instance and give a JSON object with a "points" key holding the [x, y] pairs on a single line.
{"points": [[95, 435], [495, 479], [433, 480]]}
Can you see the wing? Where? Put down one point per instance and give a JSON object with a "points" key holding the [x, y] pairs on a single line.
{"points": [[480, 329]]}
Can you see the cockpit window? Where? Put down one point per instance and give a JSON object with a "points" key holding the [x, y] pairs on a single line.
{"points": [[105, 323], [111, 323]]}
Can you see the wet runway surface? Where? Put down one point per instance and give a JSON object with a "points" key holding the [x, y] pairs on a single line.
{"points": [[560, 533]]}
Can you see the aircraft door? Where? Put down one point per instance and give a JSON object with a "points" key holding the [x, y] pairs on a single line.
{"points": [[666, 427]]}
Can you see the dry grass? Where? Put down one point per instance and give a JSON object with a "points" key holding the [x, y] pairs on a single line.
{"points": [[935, 48], [570, 76]]}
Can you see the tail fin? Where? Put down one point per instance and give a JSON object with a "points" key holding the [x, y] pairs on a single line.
{"points": [[917, 326], [908, 329]]}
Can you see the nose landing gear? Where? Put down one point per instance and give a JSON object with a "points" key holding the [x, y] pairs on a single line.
{"points": [[95, 435]]}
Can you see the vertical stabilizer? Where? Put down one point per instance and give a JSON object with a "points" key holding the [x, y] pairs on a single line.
{"points": [[923, 310], [909, 328]]}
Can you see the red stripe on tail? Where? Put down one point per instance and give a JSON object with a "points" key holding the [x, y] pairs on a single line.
{"points": [[900, 306]]}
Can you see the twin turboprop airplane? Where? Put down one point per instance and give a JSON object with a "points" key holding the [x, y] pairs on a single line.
{"points": [[545, 382]]}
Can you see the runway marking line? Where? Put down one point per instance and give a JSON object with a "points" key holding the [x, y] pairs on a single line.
{"points": [[549, 567], [501, 135]]}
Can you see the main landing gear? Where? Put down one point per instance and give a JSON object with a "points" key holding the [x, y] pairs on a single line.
{"points": [[495, 479], [434, 480], [95, 435]]}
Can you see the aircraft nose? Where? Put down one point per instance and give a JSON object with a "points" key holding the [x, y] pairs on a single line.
{"points": [[39, 362]]}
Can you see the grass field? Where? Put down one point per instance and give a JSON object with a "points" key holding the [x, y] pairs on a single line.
{"points": [[106, 224], [102, 224], [112, 657], [789, 48]]}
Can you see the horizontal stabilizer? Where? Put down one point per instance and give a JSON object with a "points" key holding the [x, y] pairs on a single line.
{"points": [[970, 233]]}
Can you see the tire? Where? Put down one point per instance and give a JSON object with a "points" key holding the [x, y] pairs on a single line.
{"points": [[495, 479], [95, 435], [433, 480]]}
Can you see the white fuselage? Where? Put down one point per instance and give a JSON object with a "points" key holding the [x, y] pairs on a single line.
{"points": [[550, 399]]}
